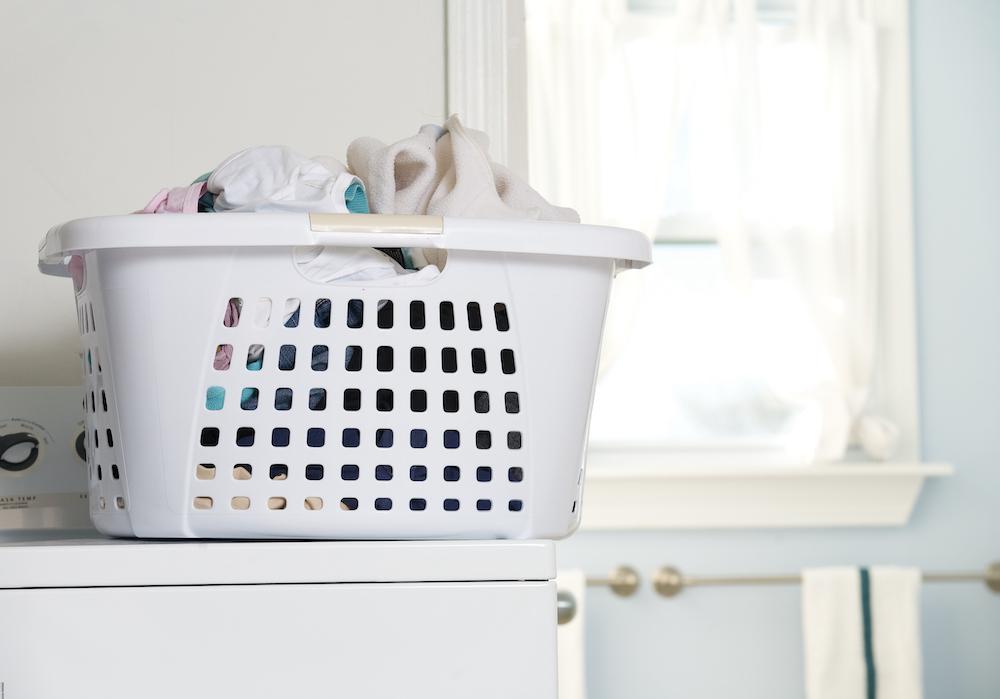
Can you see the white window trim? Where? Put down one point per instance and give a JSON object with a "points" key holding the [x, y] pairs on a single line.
{"points": [[897, 359], [487, 87], [485, 69]]}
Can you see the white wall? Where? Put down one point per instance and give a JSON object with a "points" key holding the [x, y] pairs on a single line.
{"points": [[104, 103]]}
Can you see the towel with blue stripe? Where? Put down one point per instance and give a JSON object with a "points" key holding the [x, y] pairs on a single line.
{"points": [[861, 629]]}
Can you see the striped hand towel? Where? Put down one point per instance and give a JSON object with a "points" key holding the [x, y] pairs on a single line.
{"points": [[862, 633]]}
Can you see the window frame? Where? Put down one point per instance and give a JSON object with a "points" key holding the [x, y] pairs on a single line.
{"points": [[487, 85]]}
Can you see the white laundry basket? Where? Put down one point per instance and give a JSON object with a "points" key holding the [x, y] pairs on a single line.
{"points": [[462, 413]]}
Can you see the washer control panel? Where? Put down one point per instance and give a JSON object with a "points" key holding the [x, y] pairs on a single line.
{"points": [[43, 458]]}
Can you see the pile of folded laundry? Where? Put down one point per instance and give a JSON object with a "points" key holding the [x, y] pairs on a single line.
{"points": [[442, 170]]}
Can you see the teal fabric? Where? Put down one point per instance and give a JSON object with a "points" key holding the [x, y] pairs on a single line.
{"points": [[248, 399], [249, 396], [206, 202], [215, 398], [408, 262], [356, 199], [866, 621]]}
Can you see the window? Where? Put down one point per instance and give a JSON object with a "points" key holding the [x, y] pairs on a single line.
{"points": [[775, 324], [694, 368]]}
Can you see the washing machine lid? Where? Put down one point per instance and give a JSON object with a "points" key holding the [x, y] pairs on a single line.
{"points": [[121, 563]]}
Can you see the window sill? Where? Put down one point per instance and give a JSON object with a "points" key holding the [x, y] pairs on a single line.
{"points": [[648, 496]]}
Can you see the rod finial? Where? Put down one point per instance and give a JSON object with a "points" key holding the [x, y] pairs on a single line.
{"points": [[993, 576], [624, 581], [565, 607], [668, 581]]}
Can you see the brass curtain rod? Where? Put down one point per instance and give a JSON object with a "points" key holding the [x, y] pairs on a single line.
{"points": [[670, 582]]}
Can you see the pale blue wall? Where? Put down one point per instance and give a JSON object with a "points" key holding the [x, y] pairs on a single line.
{"points": [[746, 642]]}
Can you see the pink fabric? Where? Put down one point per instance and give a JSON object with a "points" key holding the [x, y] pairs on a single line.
{"points": [[223, 357], [78, 271], [232, 318], [224, 353], [179, 200]]}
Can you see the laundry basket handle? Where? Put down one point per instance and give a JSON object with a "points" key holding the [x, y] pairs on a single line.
{"points": [[377, 230]]}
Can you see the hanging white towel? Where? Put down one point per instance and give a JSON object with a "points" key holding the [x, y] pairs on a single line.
{"points": [[895, 595], [861, 633], [833, 634], [571, 639]]}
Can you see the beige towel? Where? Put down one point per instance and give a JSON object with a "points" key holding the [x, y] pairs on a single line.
{"points": [[445, 171]]}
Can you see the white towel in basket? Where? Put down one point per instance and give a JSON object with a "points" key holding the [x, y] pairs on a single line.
{"points": [[473, 186], [276, 178], [445, 172], [329, 264], [399, 178]]}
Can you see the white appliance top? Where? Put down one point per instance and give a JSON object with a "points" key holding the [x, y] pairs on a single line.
{"points": [[125, 563]]}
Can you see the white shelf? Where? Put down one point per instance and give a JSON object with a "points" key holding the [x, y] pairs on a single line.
{"points": [[623, 494]]}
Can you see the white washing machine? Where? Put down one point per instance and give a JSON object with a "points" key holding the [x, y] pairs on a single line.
{"points": [[120, 619]]}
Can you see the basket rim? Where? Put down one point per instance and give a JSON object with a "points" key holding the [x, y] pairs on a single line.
{"points": [[630, 249]]}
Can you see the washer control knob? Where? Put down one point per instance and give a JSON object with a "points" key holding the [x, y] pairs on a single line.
{"points": [[18, 451]]}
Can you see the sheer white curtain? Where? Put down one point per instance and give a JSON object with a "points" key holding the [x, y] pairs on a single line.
{"points": [[707, 118]]}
